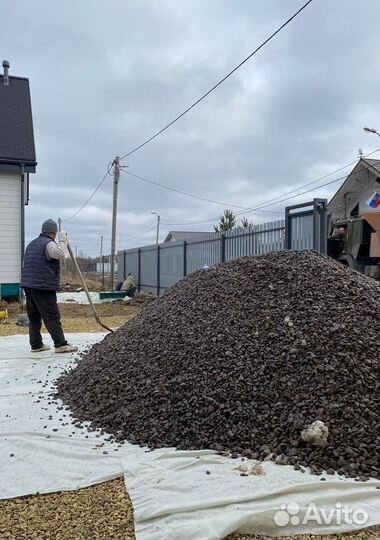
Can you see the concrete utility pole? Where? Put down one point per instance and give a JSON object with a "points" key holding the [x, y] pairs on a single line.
{"points": [[116, 179], [59, 224], [158, 225]]}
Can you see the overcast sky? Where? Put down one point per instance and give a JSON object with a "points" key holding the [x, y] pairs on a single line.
{"points": [[105, 75]]}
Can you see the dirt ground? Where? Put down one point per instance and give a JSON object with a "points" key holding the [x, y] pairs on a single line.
{"points": [[104, 511], [77, 317]]}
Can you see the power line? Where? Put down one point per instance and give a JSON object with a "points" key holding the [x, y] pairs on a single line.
{"points": [[158, 184], [277, 201], [264, 205], [227, 205], [94, 244], [140, 234], [93, 193], [218, 83]]}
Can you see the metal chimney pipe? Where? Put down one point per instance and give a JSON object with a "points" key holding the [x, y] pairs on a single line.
{"points": [[6, 67]]}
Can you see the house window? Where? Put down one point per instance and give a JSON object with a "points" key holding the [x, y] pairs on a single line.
{"points": [[355, 211]]}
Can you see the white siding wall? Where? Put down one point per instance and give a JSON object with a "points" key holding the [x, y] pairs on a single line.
{"points": [[10, 228]]}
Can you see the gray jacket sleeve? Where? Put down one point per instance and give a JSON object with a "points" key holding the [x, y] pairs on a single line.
{"points": [[55, 251]]}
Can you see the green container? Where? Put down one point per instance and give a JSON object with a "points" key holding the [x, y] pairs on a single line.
{"points": [[112, 294], [10, 290]]}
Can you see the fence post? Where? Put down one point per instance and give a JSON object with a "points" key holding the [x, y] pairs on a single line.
{"points": [[320, 225], [315, 225], [138, 269], [222, 248], [324, 224], [288, 229], [184, 258], [158, 269], [103, 272]]}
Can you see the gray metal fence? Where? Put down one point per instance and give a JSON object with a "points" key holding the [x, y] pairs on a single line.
{"points": [[158, 267], [306, 226]]}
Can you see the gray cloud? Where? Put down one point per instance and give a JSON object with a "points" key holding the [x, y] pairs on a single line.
{"points": [[105, 76]]}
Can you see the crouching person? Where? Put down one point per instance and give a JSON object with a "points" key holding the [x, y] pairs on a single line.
{"points": [[40, 279], [129, 286]]}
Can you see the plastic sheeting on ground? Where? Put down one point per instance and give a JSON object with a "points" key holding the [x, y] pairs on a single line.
{"points": [[176, 495], [81, 298]]}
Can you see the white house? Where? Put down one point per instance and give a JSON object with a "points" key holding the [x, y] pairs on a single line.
{"points": [[351, 198], [17, 161]]}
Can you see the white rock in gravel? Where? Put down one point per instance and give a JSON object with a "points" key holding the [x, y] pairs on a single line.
{"points": [[316, 434]]}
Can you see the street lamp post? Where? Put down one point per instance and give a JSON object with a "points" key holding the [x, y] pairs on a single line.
{"points": [[158, 225], [372, 130]]}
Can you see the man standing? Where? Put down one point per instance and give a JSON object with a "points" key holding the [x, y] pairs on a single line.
{"points": [[40, 278]]}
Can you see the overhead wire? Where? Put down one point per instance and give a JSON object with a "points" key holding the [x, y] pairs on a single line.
{"points": [[93, 244], [140, 234], [272, 202], [264, 205], [158, 184], [228, 205], [155, 135], [91, 196]]}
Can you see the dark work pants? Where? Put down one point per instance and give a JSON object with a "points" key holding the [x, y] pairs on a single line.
{"points": [[42, 306]]}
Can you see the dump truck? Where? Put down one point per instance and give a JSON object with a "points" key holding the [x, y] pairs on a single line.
{"points": [[355, 242]]}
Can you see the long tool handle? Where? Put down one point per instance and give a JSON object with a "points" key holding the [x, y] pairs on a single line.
{"points": [[85, 288]]}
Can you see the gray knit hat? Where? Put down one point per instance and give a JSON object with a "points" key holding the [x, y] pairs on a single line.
{"points": [[49, 226]]}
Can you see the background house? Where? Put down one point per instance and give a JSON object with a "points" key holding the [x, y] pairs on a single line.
{"points": [[351, 198], [173, 236], [17, 161]]}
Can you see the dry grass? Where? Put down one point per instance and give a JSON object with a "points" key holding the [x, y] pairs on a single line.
{"points": [[79, 318]]}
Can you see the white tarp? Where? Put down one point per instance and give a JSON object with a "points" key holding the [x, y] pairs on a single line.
{"points": [[81, 298], [77, 297], [176, 495]]}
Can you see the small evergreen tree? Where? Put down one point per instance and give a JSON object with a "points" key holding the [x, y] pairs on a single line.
{"points": [[246, 224], [227, 222]]}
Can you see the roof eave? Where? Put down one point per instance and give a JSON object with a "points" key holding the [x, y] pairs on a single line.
{"points": [[354, 170], [14, 165]]}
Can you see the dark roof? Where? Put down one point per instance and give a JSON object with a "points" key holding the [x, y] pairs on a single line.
{"points": [[375, 163], [185, 235], [371, 164], [16, 123]]}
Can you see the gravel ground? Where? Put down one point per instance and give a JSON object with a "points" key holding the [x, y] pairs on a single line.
{"points": [[101, 512], [366, 534]]}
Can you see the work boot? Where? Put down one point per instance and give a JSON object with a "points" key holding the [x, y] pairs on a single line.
{"points": [[66, 348], [42, 348]]}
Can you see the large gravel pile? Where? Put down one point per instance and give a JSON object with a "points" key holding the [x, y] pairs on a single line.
{"points": [[242, 358]]}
